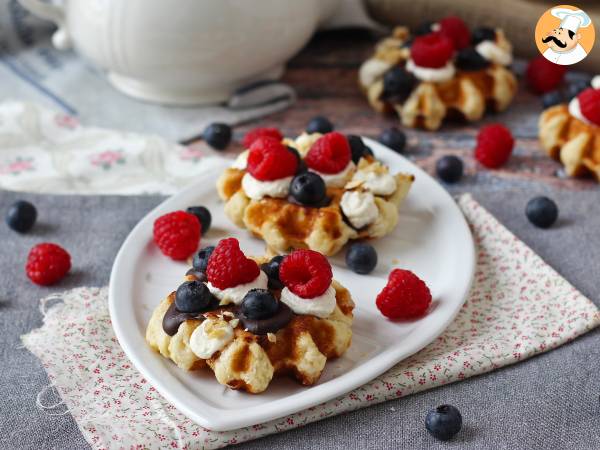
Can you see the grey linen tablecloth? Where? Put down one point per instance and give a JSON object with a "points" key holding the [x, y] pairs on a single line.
{"points": [[549, 401]]}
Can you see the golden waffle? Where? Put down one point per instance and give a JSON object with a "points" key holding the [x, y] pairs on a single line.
{"points": [[249, 362], [574, 143], [284, 225], [466, 96]]}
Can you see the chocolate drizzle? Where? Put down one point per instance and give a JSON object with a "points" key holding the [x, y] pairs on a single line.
{"points": [[173, 317], [271, 325]]}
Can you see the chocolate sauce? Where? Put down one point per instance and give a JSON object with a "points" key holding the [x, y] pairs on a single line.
{"points": [[271, 325], [173, 317]]}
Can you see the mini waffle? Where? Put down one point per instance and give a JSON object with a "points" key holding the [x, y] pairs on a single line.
{"points": [[284, 225], [574, 143], [249, 362], [466, 96]]}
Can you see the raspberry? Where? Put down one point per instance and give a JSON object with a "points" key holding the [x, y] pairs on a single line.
{"points": [[177, 234], [228, 266], [589, 103], [544, 76], [270, 160], [256, 133], [47, 264], [331, 153], [455, 29], [306, 273], [432, 50], [494, 145], [405, 296]]}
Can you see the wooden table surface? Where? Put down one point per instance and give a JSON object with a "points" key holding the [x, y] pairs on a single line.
{"points": [[324, 75]]}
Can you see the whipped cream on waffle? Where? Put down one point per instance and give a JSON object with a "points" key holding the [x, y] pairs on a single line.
{"points": [[241, 162], [494, 53], [359, 208], [575, 111], [321, 306], [336, 179], [210, 336], [256, 189], [435, 75], [378, 183], [235, 294]]}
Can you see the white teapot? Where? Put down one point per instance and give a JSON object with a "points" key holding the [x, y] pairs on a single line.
{"points": [[186, 51]]}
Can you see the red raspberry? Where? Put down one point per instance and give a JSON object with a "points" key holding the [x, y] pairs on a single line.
{"points": [[306, 273], [494, 145], [589, 103], [255, 133], [455, 29], [405, 296], [329, 154], [270, 160], [177, 234], [228, 266], [47, 264], [543, 75], [432, 50]]}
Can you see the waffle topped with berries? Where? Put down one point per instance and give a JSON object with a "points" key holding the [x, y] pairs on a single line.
{"points": [[318, 191], [570, 132], [250, 320], [439, 71]]}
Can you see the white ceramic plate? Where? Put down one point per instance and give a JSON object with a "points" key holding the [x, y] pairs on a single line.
{"points": [[432, 239]]}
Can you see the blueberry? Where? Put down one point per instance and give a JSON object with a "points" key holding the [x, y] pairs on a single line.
{"points": [[319, 124], [361, 258], [394, 139], [308, 188], [301, 164], [358, 147], [443, 422], [576, 87], [271, 268], [203, 215], [259, 304], [483, 34], [217, 135], [423, 28], [200, 259], [551, 98], [398, 84], [469, 59], [21, 216], [541, 211], [192, 297], [449, 168]]}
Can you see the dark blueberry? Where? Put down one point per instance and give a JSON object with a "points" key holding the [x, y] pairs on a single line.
{"points": [[443, 422], [357, 146], [203, 215], [319, 124], [217, 135], [483, 34], [542, 212], [576, 87], [361, 258], [394, 139], [469, 59], [368, 151], [423, 28], [301, 164], [21, 216], [449, 168], [199, 276], [192, 297], [408, 42], [308, 188], [398, 84], [551, 98], [259, 304], [271, 268], [200, 259]]}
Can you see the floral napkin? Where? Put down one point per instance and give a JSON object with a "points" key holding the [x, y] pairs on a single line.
{"points": [[518, 307]]}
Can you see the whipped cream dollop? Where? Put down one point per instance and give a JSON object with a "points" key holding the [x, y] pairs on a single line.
{"points": [[241, 162], [209, 337], [256, 189], [321, 306], [359, 208], [377, 183], [575, 111], [337, 179], [235, 294], [494, 53], [596, 82], [435, 75], [371, 70]]}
